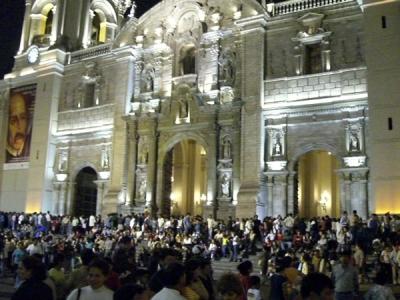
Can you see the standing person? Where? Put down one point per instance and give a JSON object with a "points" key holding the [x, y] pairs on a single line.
{"points": [[317, 286], [245, 269], [359, 261], [32, 272], [173, 282], [379, 291], [96, 290], [229, 287], [345, 278]]}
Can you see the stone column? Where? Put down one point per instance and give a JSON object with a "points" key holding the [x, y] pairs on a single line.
{"points": [[101, 190], [359, 199], [61, 206], [87, 36], [54, 25], [252, 88], [70, 197], [26, 27], [152, 168], [270, 196], [280, 195], [56, 197], [291, 191]]}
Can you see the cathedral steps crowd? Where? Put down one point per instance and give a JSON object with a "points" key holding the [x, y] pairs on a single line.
{"points": [[189, 257]]}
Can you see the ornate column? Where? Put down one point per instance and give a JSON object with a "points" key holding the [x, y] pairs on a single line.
{"points": [[56, 197], [102, 186], [280, 194], [70, 197], [26, 27], [359, 192], [54, 26], [270, 196], [290, 195]]}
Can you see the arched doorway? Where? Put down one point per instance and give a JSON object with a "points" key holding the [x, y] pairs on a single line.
{"points": [[185, 179], [317, 185], [85, 193]]}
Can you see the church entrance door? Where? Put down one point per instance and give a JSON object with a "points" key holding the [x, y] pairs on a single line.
{"points": [[317, 185], [85, 192], [185, 179]]}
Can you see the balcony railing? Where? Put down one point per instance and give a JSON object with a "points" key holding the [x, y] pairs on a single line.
{"points": [[90, 52], [292, 6]]}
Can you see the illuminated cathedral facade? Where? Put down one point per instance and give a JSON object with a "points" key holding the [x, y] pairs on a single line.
{"points": [[223, 107]]}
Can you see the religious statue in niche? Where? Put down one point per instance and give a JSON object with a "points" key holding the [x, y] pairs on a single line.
{"points": [[226, 95], [62, 161], [277, 146], [354, 144], [227, 68], [143, 155], [105, 159], [142, 189], [226, 148], [188, 60], [147, 84], [183, 105], [225, 185]]}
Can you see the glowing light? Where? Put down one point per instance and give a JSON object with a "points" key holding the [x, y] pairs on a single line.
{"points": [[276, 165], [61, 177], [104, 175]]}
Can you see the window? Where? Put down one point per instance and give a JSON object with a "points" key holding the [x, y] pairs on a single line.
{"points": [[49, 22], [312, 59], [383, 20], [390, 123]]}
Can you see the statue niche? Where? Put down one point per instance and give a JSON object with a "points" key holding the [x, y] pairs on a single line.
{"points": [[147, 81], [227, 68], [187, 62]]}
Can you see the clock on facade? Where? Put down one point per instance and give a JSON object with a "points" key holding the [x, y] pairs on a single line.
{"points": [[33, 54]]}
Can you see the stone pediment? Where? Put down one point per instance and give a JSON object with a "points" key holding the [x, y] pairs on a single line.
{"points": [[311, 22]]}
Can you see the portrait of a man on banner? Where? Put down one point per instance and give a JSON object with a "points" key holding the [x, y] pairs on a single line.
{"points": [[20, 120]]}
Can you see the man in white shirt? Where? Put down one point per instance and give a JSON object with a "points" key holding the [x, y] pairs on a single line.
{"points": [[174, 282], [35, 248]]}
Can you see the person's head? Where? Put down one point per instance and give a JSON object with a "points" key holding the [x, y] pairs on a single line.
{"points": [[255, 282], [192, 270], [98, 273], [131, 292], [32, 268], [174, 276], [345, 258], [245, 268], [316, 286], [87, 256], [167, 256], [18, 122], [229, 287]]}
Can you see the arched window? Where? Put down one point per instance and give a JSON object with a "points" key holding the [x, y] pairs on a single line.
{"points": [[49, 22], [98, 28], [187, 62]]}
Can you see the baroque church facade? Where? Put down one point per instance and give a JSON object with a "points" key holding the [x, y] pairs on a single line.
{"points": [[231, 108]]}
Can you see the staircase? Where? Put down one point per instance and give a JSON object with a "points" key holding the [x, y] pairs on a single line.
{"points": [[224, 266]]}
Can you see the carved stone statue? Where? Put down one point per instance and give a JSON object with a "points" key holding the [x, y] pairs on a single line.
{"points": [[227, 68], [62, 162], [225, 185], [226, 148], [354, 142], [105, 159], [142, 189], [183, 106], [277, 148], [143, 156], [147, 82]]}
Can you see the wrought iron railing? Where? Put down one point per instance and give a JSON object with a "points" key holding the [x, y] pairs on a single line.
{"points": [[90, 52]]}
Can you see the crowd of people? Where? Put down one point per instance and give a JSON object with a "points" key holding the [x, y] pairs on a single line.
{"points": [[141, 257]]}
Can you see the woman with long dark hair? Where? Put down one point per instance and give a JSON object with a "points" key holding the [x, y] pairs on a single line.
{"points": [[32, 271]]}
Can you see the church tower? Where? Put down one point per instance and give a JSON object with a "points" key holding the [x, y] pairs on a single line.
{"points": [[382, 27]]}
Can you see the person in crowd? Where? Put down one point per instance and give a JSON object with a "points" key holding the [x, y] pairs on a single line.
{"points": [[317, 286], [78, 277], [167, 257], [345, 278], [379, 291], [229, 287], [131, 292], [32, 271], [254, 291], [98, 271], [57, 275], [173, 281], [245, 268]]}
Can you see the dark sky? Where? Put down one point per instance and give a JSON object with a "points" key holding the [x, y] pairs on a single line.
{"points": [[11, 18]]}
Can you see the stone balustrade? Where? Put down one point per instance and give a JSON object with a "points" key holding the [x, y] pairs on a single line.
{"points": [[292, 6], [85, 118], [322, 85], [90, 52]]}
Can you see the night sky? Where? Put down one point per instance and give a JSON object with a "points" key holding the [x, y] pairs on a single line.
{"points": [[11, 18]]}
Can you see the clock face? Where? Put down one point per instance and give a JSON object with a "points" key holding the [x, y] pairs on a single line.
{"points": [[33, 54]]}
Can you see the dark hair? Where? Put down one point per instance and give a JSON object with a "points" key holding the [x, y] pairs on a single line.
{"points": [[164, 252], [100, 264], [128, 292], [172, 274], [245, 267], [315, 282], [255, 280], [229, 282], [58, 258], [37, 268], [381, 278], [87, 256], [190, 266]]}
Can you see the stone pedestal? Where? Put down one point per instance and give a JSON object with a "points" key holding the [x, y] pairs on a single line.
{"points": [[226, 209]]}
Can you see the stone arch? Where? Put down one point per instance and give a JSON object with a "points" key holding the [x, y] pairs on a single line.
{"points": [[106, 9], [81, 165], [43, 6], [312, 147]]}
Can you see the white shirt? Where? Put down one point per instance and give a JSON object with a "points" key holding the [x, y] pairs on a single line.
{"points": [[253, 294], [87, 293], [92, 221], [167, 294]]}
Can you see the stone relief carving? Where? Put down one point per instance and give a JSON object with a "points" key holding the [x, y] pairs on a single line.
{"points": [[182, 98], [276, 142], [226, 148], [225, 185], [62, 161], [142, 189], [354, 138], [143, 151], [226, 95]]}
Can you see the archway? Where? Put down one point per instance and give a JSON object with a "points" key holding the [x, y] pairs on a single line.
{"points": [[85, 193], [317, 190], [185, 179]]}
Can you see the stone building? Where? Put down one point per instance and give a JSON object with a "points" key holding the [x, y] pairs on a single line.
{"points": [[225, 107]]}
